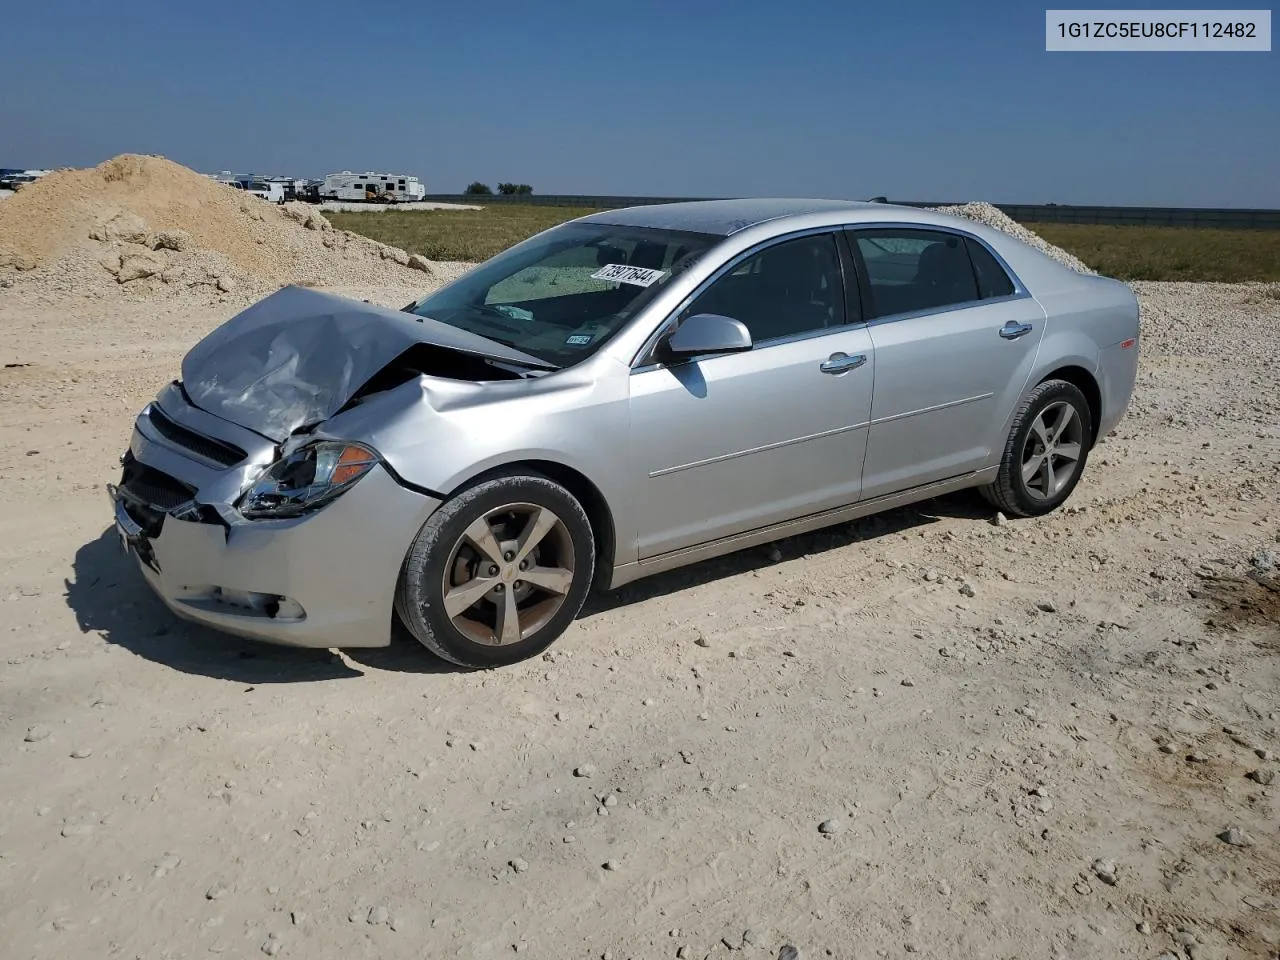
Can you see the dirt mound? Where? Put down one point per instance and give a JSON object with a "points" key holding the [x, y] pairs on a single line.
{"points": [[139, 227], [991, 216]]}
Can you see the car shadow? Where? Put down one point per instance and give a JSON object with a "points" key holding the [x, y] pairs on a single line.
{"points": [[964, 504], [110, 598]]}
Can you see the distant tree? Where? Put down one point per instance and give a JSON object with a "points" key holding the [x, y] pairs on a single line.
{"points": [[478, 188], [523, 189], [507, 188]]}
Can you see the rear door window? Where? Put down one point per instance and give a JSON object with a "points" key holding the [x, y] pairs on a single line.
{"points": [[912, 270]]}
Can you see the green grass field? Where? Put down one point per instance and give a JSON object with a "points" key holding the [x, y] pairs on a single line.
{"points": [[1170, 253], [1129, 253], [456, 234]]}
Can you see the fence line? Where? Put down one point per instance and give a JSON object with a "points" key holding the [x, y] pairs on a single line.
{"points": [[1228, 218]]}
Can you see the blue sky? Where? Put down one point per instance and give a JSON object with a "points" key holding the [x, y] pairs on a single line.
{"points": [[920, 100]]}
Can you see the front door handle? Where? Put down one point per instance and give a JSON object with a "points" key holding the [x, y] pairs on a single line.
{"points": [[842, 363], [1012, 330]]}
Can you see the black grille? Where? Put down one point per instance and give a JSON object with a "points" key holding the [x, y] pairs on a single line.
{"points": [[146, 485], [216, 450]]}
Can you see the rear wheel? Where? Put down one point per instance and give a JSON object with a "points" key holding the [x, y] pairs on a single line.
{"points": [[498, 572], [1045, 454]]}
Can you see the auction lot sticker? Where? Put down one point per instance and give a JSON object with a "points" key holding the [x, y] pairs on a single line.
{"points": [[621, 273], [1133, 31]]}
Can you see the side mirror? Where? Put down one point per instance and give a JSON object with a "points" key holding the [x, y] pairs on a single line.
{"points": [[706, 333]]}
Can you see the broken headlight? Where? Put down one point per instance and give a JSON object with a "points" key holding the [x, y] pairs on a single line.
{"points": [[306, 479]]}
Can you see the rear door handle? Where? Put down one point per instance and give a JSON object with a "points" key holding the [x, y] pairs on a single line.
{"points": [[1012, 330], [842, 363]]}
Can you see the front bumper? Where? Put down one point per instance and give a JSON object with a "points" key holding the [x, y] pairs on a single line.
{"points": [[323, 580]]}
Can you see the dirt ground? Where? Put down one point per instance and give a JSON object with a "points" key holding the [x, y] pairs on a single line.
{"points": [[1039, 770]]}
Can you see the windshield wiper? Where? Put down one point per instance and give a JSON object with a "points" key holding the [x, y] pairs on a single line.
{"points": [[491, 311]]}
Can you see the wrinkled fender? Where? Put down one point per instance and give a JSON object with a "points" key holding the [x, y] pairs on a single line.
{"points": [[438, 438]]}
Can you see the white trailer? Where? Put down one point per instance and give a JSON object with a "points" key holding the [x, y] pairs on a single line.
{"points": [[270, 190], [377, 187]]}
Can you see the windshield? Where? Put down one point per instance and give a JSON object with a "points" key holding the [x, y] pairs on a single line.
{"points": [[563, 293]]}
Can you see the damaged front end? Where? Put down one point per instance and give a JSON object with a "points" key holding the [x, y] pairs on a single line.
{"points": [[186, 463], [252, 520], [301, 548]]}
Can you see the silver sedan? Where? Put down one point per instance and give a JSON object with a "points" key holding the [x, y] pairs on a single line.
{"points": [[623, 394]]}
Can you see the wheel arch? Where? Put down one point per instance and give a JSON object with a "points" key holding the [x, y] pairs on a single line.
{"points": [[1087, 384], [584, 490]]}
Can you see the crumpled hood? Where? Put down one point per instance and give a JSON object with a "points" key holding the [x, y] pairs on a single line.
{"points": [[297, 357]]}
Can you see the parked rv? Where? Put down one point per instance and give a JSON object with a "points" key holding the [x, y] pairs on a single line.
{"points": [[373, 187]]}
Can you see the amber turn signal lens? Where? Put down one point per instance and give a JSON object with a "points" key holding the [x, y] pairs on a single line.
{"points": [[352, 462]]}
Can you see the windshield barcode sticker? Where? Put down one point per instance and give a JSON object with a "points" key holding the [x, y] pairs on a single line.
{"points": [[636, 276]]}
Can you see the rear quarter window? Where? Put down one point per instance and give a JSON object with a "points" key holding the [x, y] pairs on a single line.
{"points": [[993, 281]]}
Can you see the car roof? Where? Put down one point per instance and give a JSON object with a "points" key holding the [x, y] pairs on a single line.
{"points": [[726, 217], [773, 217]]}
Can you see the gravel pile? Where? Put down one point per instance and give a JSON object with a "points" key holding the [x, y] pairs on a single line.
{"points": [[139, 227], [985, 213]]}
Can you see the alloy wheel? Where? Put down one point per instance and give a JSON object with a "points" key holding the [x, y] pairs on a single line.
{"points": [[508, 574], [1051, 451]]}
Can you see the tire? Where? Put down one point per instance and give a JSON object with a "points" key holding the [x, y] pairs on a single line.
{"points": [[1022, 494], [446, 556]]}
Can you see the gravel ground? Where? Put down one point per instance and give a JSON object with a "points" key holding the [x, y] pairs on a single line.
{"points": [[935, 732]]}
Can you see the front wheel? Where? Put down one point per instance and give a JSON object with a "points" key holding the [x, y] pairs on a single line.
{"points": [[1045, 453], [499, 572]]}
